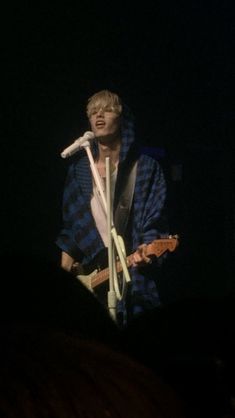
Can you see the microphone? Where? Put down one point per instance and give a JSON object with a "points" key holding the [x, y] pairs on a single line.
{"points": [[77, 145]]}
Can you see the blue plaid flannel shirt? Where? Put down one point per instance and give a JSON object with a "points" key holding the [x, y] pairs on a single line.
{"points": [[80, 238]]}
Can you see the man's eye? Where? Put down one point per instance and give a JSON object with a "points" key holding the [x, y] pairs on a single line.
{"points": [[102, 109]]}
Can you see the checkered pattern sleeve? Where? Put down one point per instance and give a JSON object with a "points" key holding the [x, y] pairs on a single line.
{"points": [[150, 202]]}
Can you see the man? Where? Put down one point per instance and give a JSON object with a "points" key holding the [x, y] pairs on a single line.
{"points": [[84, 235]]}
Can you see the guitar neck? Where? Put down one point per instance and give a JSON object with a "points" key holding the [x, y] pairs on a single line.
{"points": [[103, 275], [157, 248]]}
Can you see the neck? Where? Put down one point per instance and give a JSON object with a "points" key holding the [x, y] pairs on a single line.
{"points": [[109, 149]]}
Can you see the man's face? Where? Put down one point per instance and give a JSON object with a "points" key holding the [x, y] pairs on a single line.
{"points": [[104, 121]]}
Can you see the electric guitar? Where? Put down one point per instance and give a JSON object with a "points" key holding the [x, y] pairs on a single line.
{"points": [[155, 248]]}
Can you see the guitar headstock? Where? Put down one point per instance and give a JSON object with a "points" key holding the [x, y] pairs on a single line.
{"points": [[173, 241], [160, 246]]}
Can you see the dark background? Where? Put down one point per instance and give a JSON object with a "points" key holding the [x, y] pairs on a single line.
{"points": [[173, 64]]}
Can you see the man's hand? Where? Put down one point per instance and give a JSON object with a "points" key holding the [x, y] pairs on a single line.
{"points": [[140, 257]]}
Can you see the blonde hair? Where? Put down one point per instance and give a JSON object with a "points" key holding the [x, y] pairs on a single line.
{"points": [[106, 100]]}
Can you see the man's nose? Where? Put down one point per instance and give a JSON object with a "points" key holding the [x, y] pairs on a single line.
{"points": [[100, 112]]}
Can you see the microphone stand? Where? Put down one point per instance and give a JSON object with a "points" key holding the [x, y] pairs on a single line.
{"points": [[113, 240], [112, 297]]}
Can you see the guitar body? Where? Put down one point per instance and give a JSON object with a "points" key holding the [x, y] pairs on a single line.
{"points": [[97, 264]]}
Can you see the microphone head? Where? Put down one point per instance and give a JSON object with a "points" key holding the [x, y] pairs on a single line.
{"points": [[89, 135], [77, 144]]}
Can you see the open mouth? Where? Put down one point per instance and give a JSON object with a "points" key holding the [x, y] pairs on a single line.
{"points": [[100, 124]]}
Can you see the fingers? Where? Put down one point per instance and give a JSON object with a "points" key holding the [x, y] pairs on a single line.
{"points": [[140, 256]]}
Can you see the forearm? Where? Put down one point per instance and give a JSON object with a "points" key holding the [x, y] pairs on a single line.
{"points": [[66, 261]]}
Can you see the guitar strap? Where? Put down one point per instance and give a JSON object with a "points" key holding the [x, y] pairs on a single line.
{"points": [[123, 208]]}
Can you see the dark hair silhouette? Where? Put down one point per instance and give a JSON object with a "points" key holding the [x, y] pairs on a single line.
{"points": [[59, 353]]}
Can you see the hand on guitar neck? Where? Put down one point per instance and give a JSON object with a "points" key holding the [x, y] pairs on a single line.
{"points": [[140, 257]]}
